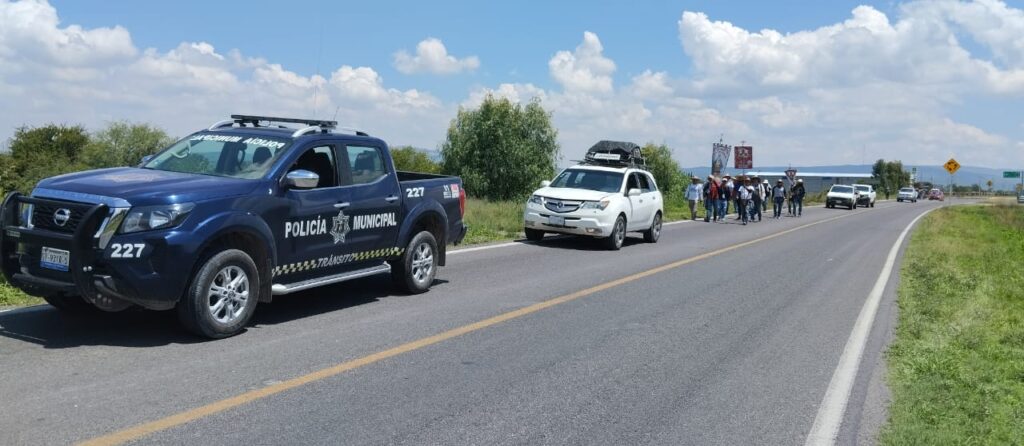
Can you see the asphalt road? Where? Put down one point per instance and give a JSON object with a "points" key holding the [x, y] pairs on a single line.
{"points": [[737, 347]]}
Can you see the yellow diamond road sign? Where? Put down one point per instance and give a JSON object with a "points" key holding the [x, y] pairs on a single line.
{"points": [[952, 166]]}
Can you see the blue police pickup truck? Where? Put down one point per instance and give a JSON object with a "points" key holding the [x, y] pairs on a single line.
{"points": [[227, 217]]}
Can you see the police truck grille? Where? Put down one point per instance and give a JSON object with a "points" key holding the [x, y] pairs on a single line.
{"points": [[43, 217], [562, 206]]}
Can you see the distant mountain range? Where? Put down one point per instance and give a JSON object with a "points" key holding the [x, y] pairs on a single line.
{"points": [[967, 175]]}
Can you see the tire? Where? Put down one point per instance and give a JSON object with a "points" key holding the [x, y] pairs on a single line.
{"points": [[614, 240], [654, 233], [852, 206], [872, 204], [416, 270], [70, 304], [533, 235], [222, 297]]}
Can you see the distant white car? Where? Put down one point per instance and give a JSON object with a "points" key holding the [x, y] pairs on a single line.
{"points": [[907, 194], [842, 195], [604, 200], [866, 195]]}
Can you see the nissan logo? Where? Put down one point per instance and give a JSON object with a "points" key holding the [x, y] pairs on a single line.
{"points": [[62, 216]]}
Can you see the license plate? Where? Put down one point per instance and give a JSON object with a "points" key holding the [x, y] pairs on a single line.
{"points": [[54, 259], [558, 221]]}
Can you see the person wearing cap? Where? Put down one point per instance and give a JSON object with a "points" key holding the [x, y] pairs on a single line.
{"points": [[693, 196], [778, 195], [711, 194], [736, 196], [743, 196], [757, 199], [767, 195], [725, 195], [797, 195]]}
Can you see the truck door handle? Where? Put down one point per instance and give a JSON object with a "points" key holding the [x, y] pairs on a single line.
{"points": [[341, 205], [391, 199]]}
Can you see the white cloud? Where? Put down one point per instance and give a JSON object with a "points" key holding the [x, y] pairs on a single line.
{"points": [[585, 69], [432, 57], [55, 73]]}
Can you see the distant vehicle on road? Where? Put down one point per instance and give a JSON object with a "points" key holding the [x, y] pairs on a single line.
{"points": [[842, 195], [227, 217], [866, 195], [907, 194], [936, 194], [609, 194], [1020, 198]]}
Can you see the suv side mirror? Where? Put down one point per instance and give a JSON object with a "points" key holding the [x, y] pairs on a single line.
{"points": [[545, 183], [301, 179], [633, 192], [145, 160]]}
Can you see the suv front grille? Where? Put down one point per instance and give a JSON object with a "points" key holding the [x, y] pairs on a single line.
{"points": [[45, 217], [561, 206]]}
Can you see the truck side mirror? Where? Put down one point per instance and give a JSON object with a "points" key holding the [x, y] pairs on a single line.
{"points": [[545, 183], [633, 192], [301, 179], [145, 160]]}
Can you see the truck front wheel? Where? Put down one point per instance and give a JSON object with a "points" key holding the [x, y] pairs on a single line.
{"points": [[415, 271], [70, 303], [222, 296]]}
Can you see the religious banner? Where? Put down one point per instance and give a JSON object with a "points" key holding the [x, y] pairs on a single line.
{"points": [[744, 157], [719, 157]]}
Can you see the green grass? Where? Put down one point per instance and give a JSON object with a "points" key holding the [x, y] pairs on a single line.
{"points": [[13, 297], [956, 367]]}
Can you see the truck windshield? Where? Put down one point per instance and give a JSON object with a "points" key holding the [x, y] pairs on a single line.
{"points": [[589, 179], [221, 155]]}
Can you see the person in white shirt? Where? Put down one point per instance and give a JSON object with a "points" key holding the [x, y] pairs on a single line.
{"points": [[743, 194], [694, 194]]}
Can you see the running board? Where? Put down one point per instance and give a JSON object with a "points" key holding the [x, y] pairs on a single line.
{"points": [[278, 289]]}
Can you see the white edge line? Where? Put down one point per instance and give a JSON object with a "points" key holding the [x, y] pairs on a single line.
{"points": [[16, 310], [519, 243], [829, 419]]}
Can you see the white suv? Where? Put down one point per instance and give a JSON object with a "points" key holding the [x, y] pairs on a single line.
{"points": [[842, 195], [867, 195], [907, 194], [597, 201]]}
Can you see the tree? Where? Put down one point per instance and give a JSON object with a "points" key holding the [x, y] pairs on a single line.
{"points": [[41, 152], [502, 150], [666, 170], [411, 159], [890, 176], [123, 143]]}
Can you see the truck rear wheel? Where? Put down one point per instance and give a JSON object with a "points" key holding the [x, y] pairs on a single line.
{"points": [[222, 296], [414, 273]]}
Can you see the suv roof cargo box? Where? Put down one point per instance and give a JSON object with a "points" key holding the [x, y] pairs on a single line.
{"points": [[615, 153]]}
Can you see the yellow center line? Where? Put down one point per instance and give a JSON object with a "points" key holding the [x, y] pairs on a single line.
{"points": [[142, 430]]}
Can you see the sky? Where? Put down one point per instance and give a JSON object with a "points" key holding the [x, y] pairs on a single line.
{"points": [[805, 83]]}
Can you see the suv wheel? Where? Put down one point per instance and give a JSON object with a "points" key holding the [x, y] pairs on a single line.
{"points": [[533, 235], [415, 271], [618, 235], [651, 235], [222, 296]]}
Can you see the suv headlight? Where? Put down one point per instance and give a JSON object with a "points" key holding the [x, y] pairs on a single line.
{"points": [[536, 199], [147, 218], [599, 205]]}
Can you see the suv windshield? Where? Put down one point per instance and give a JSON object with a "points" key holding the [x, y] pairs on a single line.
{"points": [[863, 188], [842, 189], [598, 180], [221, 155]]}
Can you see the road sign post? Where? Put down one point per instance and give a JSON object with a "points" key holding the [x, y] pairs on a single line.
{"points": [[951, 166]]}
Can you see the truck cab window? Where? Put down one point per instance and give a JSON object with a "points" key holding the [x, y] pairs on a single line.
{"points": [[366, 163], [319, 160]]}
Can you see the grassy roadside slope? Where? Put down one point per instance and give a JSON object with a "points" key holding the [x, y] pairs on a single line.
{"points": [[956, 367]]}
